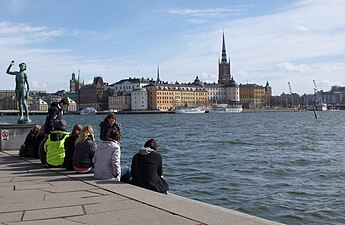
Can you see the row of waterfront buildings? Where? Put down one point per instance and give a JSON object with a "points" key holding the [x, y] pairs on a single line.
{"points": [[155, 94]]}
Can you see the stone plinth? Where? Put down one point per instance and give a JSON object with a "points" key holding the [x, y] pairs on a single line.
{"points": [[13, 135]]}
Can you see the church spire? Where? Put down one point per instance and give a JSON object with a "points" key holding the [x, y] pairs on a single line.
{"points": [[78, 76], [224, 76], [224, 60], [158, 80]]}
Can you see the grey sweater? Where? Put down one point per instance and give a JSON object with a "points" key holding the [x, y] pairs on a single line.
{"points": [[107, 161]]}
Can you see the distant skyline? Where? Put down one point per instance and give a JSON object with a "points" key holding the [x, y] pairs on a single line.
{"points": [[294, 41]]}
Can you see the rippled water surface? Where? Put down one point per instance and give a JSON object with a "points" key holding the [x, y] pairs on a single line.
{"points": [[283, 166]]}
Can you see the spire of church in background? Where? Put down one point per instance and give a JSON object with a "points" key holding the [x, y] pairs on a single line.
{"points": [[78, 76], [224, 75], [224, 60], [158, 80]]}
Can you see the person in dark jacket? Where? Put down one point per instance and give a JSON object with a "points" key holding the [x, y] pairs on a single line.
{"points": [[37, 140], [109, 123], [147, 169], [70, 146], [41, 152], [85, 147], [27, 149], [55, 114]]}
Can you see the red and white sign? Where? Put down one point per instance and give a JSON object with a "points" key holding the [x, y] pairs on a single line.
{"points": [[5, 135]]}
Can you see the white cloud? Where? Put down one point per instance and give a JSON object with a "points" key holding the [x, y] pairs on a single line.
{"points": [[302, 29], [290, 68], [209, 12], [36, 85], [24, 34]]}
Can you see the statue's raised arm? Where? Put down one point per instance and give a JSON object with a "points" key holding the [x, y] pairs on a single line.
{"points": [[9, 68]]}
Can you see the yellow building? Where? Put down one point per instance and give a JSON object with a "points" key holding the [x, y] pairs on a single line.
{"points": [[252, 95], [165, 97]]}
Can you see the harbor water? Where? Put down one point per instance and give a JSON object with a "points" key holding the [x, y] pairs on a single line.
{"points": [[283, 166]]}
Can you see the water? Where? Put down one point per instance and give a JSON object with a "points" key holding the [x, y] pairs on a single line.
{"points": [[283, 166]]}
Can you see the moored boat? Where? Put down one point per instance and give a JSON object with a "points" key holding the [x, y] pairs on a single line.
{"points": [[321, 106], [88, 111], [190, 110], [225, 108]]}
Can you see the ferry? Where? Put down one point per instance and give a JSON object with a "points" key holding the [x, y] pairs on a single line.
{"points": [[318, 107], [321, 106], [225, 108], [190, 110], [88, 111]]}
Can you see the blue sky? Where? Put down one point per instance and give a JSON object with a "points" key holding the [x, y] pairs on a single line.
{"points": [[294, 41]]}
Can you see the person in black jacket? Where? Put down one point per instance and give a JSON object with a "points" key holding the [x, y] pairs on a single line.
{"points": [[147, 169], [27, 149], [85, 147], [109, 123], [55, 114], [37, 140], [70, 146]]}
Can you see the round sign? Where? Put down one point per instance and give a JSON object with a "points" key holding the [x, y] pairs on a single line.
{"points": [[4, 134]]}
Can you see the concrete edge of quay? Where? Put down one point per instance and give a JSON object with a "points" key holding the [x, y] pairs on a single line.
{"points": [[193, 211]]}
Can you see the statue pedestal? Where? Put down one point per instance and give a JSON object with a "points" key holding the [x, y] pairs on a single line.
{"points": [[13, 135], [24, 121]]}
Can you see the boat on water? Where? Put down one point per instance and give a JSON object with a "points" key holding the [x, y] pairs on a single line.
{"points": [[88, 111], [190, 110], [321, 106], [225, 108]]}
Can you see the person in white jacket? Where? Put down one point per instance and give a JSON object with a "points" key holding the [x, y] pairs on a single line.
{"points": [[107, 158]]}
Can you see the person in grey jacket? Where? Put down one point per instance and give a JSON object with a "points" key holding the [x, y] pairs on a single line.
{"points": [[107, 157]]}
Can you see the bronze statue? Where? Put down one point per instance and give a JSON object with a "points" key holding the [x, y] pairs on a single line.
{"points": [[22, 91]]}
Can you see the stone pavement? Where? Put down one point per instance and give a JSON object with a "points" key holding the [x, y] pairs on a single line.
{"points": [[31, 194]]}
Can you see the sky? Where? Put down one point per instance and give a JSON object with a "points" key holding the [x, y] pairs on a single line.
{"points": [[294, 41]]}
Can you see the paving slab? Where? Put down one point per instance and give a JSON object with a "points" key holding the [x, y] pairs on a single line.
{"points": [[10, 216], [141, 215], [54, 212], [57, 221]]}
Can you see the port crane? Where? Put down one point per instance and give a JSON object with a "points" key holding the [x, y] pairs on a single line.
{"points": [[315, 92], [291, 94], [315, 99]]}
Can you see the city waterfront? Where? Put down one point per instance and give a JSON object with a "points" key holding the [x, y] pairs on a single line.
{"points": [[283, 166]]}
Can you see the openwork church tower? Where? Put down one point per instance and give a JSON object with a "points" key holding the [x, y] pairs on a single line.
{"points": [[224, 75]]}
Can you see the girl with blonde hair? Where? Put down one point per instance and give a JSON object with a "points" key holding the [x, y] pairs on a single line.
{"points": [[85, 147]]}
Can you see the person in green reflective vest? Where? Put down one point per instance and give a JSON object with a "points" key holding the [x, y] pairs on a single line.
{"points": [[55, 145]]}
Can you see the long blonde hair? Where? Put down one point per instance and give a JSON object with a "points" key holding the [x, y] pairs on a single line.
{"points": [[86, 132]]}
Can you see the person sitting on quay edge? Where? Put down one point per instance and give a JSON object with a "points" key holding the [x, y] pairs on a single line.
{"points": [[147, 169], [109, 123], [37, 140], [107, 159], [55, 113], [54, 145], [85, 147], [27, 149], [70, 146]]}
